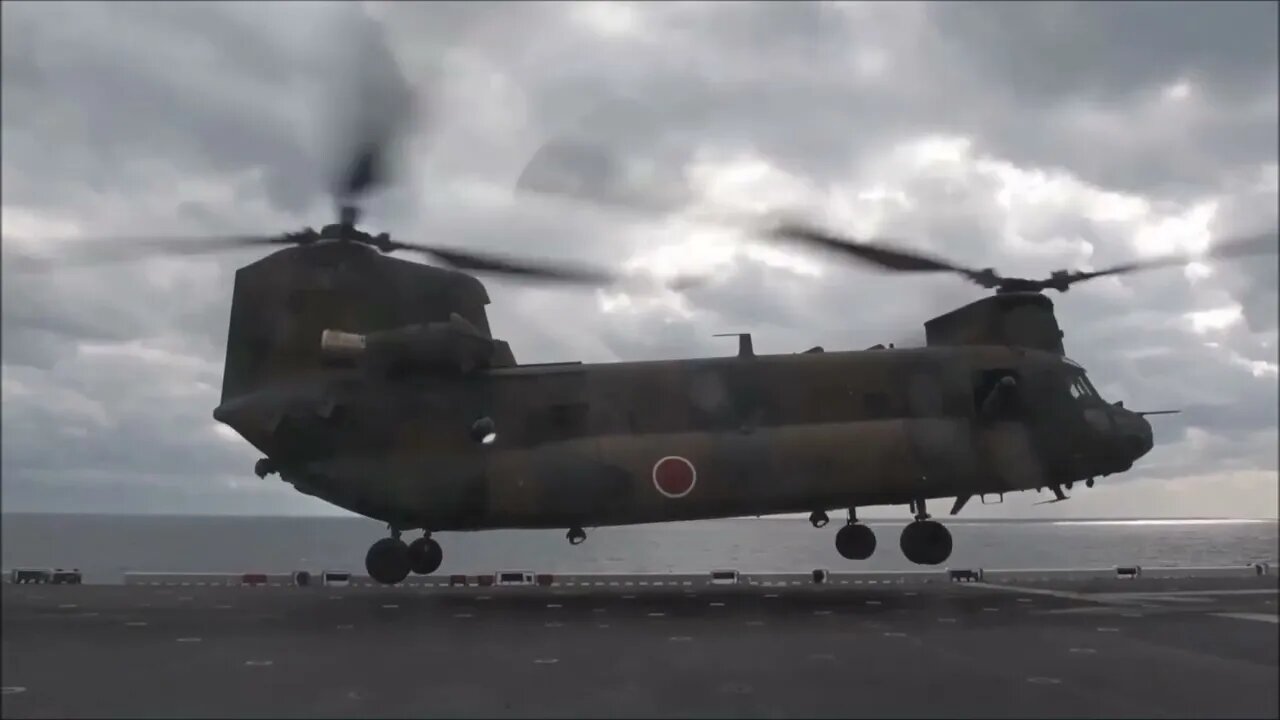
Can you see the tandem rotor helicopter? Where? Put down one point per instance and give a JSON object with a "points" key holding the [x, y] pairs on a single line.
{"points": [[376, 384]]}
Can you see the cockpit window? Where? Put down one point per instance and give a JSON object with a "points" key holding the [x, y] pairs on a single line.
{"points": [[1082, 389]]}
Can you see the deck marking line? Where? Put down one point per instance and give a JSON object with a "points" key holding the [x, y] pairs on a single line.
{"points": [[1256, 617]]}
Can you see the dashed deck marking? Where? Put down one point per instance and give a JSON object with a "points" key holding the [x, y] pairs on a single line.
{"points": [[188, 639], [1196, 593], [1256, 617], [1063, 594], [259, 663]]}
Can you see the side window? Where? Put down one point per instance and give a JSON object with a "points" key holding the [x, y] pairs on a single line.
{"points": [[924, 394], [557, 422], [876, 405], [829, 403], [568, 419]]}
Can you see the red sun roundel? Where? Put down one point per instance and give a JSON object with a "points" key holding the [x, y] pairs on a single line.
{"points": [[674, 476]]}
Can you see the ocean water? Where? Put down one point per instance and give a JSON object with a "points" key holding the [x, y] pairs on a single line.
{"points": [[103, 547]]}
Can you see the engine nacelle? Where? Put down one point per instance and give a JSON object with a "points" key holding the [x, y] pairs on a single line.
{"points": [[454, 346]]}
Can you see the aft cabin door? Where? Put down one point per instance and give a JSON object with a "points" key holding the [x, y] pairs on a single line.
{"points": [[940, 429]]}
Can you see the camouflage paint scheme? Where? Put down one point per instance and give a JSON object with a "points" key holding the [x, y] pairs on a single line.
{"points": [[576, 444]]}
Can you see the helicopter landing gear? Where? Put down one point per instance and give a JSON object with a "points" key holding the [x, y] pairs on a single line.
{"points": [[388, 560], [425, 555], [855, 541], [925, 541], [576, 535], [818, 519], [1088, 483]]}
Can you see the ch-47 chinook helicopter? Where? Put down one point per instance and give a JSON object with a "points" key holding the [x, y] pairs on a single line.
{"points": [[375, 384]]}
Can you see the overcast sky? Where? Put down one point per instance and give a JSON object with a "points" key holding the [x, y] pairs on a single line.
{"points": [[1027, 137]]}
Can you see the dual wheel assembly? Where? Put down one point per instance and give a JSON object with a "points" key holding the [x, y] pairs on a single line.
{"points": [[390, 560], [923, 542]]}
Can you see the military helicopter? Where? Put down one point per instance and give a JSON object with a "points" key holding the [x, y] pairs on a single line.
{"points": [[376, 384]]}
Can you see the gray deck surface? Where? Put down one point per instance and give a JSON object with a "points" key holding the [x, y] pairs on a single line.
{"points": [[1163, 648]]}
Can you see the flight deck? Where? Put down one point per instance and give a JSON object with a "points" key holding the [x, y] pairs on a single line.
{"points": [[1106, 642]]}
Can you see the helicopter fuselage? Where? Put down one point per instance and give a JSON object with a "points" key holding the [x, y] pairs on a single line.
{"points": [[587, 445]]}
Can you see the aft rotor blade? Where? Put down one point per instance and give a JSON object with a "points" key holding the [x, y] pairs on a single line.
{"points": [[1234, 248], [477, 262], [93, 252], [880, 255]]}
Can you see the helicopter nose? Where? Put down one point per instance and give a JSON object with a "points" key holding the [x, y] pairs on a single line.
{"points": [[1135, 434]]}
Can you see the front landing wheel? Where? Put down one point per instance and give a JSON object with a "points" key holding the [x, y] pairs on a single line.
{"points": [[425, 556], [388, 561], [926, 542]]}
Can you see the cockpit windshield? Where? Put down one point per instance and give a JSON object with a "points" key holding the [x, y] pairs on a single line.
{"points": [[1082, 389]]}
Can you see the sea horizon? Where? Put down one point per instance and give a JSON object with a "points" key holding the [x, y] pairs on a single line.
{"points": [[105, 545], [1154, 519]]}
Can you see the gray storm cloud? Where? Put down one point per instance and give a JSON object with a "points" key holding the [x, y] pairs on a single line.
{"points": [[1028, 137]]}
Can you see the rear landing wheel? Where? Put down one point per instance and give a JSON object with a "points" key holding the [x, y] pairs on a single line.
{"points": [[926, 542], [388, 561], [855, 542], [425, 556]]}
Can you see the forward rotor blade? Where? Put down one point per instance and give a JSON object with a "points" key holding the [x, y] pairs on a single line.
{"points": [[93, 252], [880, 255], [373, 105], [1229, 249], [477, 262]]}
